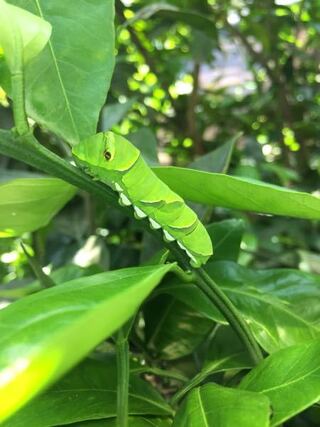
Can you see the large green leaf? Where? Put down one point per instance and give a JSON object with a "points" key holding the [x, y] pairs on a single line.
{"points": [[299, 290], [39, 333], [276, 323], [66, 85], [88, 392], [27, 204], [239, 193], [214, 405], [290, 378]]}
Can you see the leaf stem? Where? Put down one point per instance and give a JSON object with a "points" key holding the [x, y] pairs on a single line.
{"points": [[18, 94], [44, 280], [28, 150], [230, 312], [19, 114], [123, 372], [213, 292]]}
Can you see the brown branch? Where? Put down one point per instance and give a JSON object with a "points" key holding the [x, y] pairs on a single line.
{"points": [[191, 112]]}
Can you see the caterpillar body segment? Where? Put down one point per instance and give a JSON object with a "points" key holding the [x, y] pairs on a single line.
{"points": [[113, 160]]}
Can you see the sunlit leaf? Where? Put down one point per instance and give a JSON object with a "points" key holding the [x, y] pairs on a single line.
{"points": [[290, 378], [88, 392], [27, 204], [214, 405], [20, 29], [41, 332], [239, 193]]}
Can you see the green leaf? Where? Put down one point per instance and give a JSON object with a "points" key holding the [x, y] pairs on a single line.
{"points": [[292, 316], [27, 204], [276, 323], [239, 193], [18, 289], [40, 332], [226, 238], [19, 26], [145, 140], [112, 114], [217, 160], [88, 392], [290, 378], [172, 328], [224, 352], [66, 85], [299, 290], [172, 13], [214, 405]]}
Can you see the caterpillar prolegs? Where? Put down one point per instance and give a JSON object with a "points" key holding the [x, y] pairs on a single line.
{"points": [[113, 160]]}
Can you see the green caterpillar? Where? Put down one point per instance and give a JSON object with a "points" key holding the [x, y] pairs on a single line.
{"points": [[113, 160]]}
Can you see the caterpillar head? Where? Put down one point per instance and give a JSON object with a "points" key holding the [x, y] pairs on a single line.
{"points": [[107, 151]]}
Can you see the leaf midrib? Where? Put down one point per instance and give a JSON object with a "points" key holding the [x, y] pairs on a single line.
{"points": [[202, 408], [63, 89]]}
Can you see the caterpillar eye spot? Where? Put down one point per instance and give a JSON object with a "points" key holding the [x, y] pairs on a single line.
{"points": [[107, 155]]}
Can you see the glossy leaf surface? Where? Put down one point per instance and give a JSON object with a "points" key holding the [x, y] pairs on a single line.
{"points": [[239, 193], [290, 378], [21, 33], [276, 322], [88, 392], [214, 405], [27, 204], [40, 332]]}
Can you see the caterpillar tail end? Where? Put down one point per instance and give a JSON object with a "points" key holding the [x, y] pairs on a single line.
{"points": [[195, 263]]}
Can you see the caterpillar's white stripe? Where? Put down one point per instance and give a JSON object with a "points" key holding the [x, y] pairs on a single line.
{"points": [[124, 200], [168, 236], [181, 246], [191, 256], [139, 212], [154, 224], [118, 187]]}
